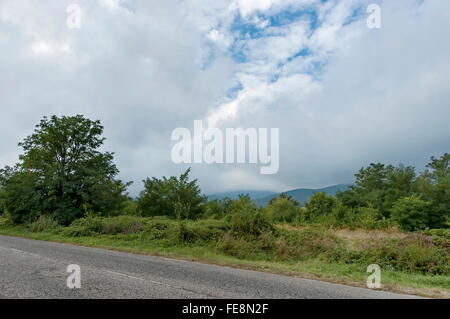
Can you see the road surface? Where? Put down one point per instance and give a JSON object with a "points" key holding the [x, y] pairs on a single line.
{"points": [[37, 269]]}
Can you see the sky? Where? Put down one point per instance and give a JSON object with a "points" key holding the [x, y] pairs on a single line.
{"points": [[342, 95]]}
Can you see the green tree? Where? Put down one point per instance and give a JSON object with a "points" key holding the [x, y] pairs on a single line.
{"points": [[319, 204], [411, 213], [379, 186], [168, 196], [246, 219], [62, 173], [283, 209], [434, 186]]}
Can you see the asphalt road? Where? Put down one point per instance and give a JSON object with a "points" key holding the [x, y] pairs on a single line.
{"points": [[37, 269]]}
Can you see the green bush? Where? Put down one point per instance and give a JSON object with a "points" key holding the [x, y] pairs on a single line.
{"points": [[411, 213], [122, 225], [215, 208], [112, 225], [284, 245], [157, 228], [283, 210], [319, 204], [160, 197], [91, 223], [130, 209], [306, 243], [252, 223], [43, 223], [209, 229], [238, 246], [415, 253], [77, 231], [4, 221]]}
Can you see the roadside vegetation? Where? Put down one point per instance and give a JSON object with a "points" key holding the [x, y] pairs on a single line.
{"points": [[65, 189]]}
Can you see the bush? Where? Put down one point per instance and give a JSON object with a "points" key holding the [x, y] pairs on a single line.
{"points": [[159, 228], [252, 223], [237, 246], [246, 219], [411, 213], [160, 197], [319, 204], [415, 253], [77, 231], [130, 209], [208, 229], [4, 221], [441, 238], [284, 245], [283, 210], [306, 243], [111, 225], [43, 223]]}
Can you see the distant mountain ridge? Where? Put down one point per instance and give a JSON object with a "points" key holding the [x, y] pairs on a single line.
{"points": [[235, 194], [262, 198]]}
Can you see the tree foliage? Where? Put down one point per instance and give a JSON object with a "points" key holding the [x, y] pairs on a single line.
{"points": [[283, 209], [171, 197], [398, 192], [62, 173]]}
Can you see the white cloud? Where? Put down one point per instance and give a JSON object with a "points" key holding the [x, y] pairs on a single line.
{"points": [[353, 96]]}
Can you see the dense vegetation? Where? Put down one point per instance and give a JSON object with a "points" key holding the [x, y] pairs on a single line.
{"points": [[62, 173], [64, 184]]}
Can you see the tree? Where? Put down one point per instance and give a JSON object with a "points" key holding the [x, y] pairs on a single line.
{"points": [[379, 186], [62, 173], [411, 213], [434, 186], [283, 209], [168, 196], [319, 204], [20, 195], [287, 197]]}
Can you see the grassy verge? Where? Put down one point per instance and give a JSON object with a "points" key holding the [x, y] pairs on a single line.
{"points": [[313, 268]]}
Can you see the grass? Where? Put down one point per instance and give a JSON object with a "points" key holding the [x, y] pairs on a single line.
{"points": [[206, 251]]}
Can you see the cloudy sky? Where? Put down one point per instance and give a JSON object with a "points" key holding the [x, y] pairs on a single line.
{"points": [[343, 95]]}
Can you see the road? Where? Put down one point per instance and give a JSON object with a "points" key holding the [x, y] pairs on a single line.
{"points": [[37, 269]]}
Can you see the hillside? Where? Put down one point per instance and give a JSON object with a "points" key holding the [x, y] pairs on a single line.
{"points": [[263, 197]]}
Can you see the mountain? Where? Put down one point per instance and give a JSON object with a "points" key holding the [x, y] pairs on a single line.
{"points": [[262, 198], [235, 194], [303, 194]]}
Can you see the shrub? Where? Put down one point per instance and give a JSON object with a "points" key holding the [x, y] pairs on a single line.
{"points": [[4, 221], [415, 253], [122, 225], [309, 242], [441, 238], [160, 196], [111, 225], [209, 229], [319, 204], [214, 209], [252, 222], [184, 234], [77, 231], [160, 228], [43, 223], [90, 223], [282, 210], [237, 246], [130, 209], [411, 213], [418, 253]]}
